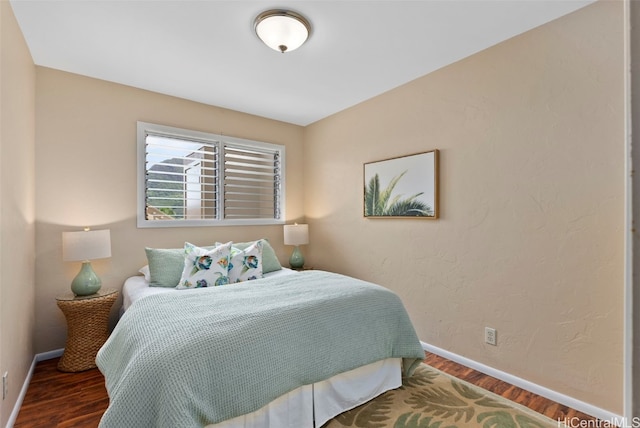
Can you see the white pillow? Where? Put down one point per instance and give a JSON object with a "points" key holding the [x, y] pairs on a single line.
{"points": [[205, 268], [246, 264], [145, 271]]}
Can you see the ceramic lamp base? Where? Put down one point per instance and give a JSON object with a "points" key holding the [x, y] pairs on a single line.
{"points": [[296, 261], [86, 282]]}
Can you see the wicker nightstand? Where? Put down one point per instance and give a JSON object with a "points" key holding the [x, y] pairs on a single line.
{"points": [[88, 327]]}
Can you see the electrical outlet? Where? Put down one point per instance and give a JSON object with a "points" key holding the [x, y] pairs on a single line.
{"points": [[490, 336], [5, 385]]}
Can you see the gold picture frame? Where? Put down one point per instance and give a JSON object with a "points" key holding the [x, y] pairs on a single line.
{"points": [[402, 187]]}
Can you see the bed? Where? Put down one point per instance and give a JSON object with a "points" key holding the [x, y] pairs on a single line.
{"points": [[292, 349]]}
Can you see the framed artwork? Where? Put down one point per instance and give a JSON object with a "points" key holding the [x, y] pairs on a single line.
{"points": [[405, 187]]}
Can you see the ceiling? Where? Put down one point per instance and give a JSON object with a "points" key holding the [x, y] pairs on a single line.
{"points": [[207, 50]]}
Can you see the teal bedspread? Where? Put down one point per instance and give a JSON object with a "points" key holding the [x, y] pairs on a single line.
{"points": [[196, 357]]}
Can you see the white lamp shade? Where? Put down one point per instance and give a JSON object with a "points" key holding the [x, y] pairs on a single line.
{"points": [[296, 234], [282, 31], [86, 245]]}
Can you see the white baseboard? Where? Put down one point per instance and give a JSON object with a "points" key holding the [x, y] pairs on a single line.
{"points": [[581, 406], [25, 385], [49, 355]]}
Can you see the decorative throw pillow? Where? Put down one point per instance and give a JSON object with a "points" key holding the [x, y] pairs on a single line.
{"points": [[246, 264], [270, 262], [205, 268], [166, 265]]}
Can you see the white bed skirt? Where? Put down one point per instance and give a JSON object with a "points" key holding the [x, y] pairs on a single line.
{"points": [[311, 406]]}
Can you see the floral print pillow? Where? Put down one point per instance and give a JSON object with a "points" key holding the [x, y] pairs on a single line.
{"points": [[246, 264], [205, 268]]}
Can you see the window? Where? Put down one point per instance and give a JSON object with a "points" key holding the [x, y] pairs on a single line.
{"points": [[190, 178]]}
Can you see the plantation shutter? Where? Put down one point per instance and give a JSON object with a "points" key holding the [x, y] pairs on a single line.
{"points": [[181, 178], [252, 187], [191, 178]]}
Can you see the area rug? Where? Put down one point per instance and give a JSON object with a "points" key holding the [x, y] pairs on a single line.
{"points": [[433, 399]]}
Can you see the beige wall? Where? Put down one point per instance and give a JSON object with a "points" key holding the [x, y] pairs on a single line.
{"points": [[530, 239], [86, 176], [17, 115]]}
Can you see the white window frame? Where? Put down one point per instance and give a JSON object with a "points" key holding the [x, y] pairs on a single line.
{"points": [[144, 129]]}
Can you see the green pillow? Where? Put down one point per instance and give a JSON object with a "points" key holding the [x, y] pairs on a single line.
{"points": [[166, 265], [270, 262]]}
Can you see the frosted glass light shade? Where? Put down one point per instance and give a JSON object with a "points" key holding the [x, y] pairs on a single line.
{"points": [[282, 30], [296, 234], [86, 245]]}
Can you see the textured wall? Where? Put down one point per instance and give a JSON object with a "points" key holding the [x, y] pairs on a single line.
{"points": [[86, 175], [17, 115], [530, 239]]}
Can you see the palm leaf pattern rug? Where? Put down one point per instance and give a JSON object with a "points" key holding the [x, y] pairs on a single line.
{"points": [[433, 399]]}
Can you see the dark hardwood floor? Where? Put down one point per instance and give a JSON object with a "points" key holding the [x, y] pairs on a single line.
{"points": [[56, 399], [549, 408]]}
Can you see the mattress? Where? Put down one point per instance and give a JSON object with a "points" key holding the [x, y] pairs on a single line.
{"points": [[137, 287], [309, 406]]}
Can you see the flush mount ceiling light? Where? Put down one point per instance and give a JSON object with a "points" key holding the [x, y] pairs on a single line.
{"points": [[282, 30]]}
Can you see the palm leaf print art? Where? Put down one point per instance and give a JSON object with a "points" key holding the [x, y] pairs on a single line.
{"points": [[378, 202]]}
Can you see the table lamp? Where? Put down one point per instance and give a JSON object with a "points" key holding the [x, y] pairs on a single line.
{"points": [[296, 234], [85, 246]]}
